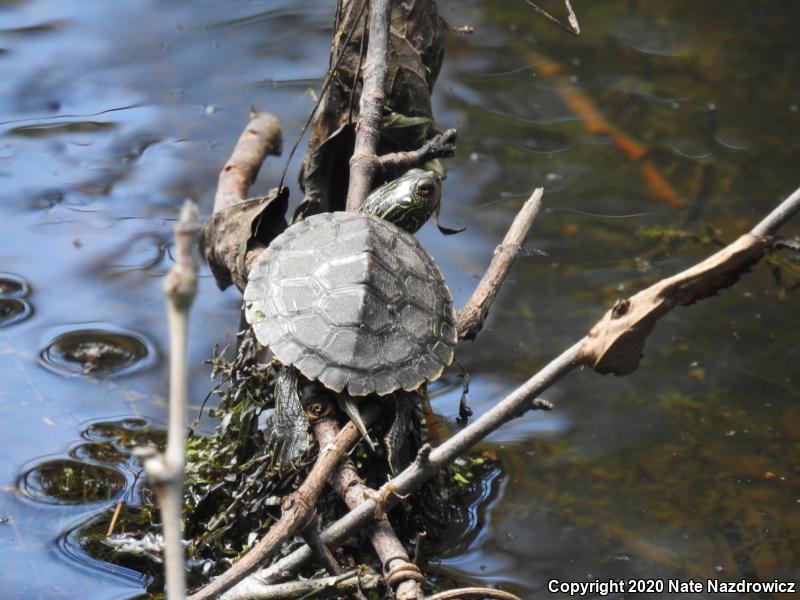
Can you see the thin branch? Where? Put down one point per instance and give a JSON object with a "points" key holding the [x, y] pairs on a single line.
{"points": [[114, 518], [523, 398], [311, 537], [470, 318], [337, 586], [364, 162], [571, 26], [473, 593], [297, 508], [440, 146], [166, 470], [778, 217], [261, 137]]}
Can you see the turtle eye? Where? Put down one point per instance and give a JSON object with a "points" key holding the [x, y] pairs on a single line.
{"points": [[425, 189]]}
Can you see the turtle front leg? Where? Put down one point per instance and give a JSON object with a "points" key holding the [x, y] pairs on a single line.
{"points": [[396, 438], [349, 406]]}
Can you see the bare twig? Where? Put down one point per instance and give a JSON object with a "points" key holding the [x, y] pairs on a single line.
{"points": [[310, 534], [778, 217], [115, 517], [166, 470], [261, 137], [571, 26], [470, 318], [347, 585], [429, 461], [473, 593], [440, 146], [364, 163], [297, 507]]}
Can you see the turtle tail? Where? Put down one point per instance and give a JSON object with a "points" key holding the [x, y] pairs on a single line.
{"points": [[350, 407]]}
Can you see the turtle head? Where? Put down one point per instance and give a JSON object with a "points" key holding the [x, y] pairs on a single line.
{"points": [[408, 201]]}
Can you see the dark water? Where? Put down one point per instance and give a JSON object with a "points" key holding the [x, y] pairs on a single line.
{"points": [[113, 112]]}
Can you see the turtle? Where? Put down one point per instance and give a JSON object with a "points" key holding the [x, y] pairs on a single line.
{"points": [[354, 302]]}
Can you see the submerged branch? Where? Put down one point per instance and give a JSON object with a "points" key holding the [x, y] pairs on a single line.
{"points": [[595, 123], [470, 318]]}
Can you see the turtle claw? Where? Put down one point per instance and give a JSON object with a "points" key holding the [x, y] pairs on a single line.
{"points": [[448, 230], [350, 407]]}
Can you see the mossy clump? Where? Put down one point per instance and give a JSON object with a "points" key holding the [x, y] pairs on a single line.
{"points": [[234, 489]]}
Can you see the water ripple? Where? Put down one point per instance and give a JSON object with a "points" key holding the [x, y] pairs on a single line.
{"points": [[102, 349]]}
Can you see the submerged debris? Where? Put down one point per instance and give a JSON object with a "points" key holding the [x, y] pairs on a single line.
{"points": [[98, 351]]}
